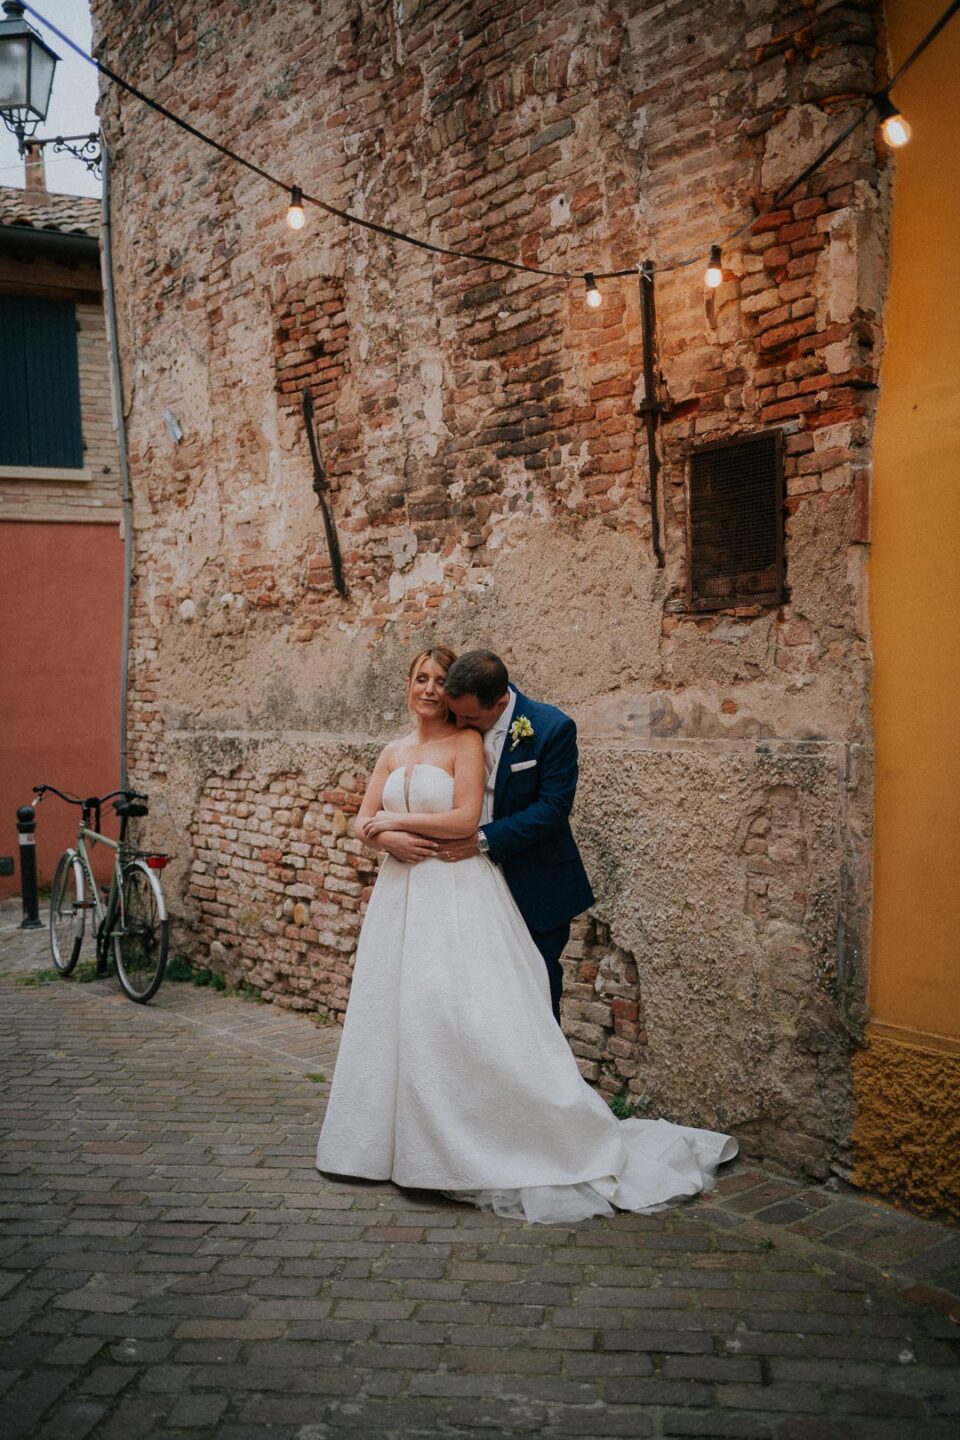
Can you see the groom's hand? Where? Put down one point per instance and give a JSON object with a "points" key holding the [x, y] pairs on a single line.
{"points": [[458, 849], [410, 849]]}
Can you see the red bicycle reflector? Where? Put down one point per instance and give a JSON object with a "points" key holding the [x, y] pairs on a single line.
{"points": [[158, 862]]}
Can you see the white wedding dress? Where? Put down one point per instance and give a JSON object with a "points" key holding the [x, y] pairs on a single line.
{"points": [[453, 1074]]}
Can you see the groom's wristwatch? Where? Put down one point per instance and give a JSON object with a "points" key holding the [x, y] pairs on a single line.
{"points": [[483, 844]]}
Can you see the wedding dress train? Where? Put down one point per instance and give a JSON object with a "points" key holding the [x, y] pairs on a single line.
{"points": [[454, 1076]]}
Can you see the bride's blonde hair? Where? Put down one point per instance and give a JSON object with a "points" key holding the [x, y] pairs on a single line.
{"points": [[441, 655]]}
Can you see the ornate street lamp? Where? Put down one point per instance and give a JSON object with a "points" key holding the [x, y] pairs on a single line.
{"points": [[26, 78], [26, 74]]}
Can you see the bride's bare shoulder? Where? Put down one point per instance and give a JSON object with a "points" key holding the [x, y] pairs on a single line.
{"points": [[467, 743], [393, 752]]}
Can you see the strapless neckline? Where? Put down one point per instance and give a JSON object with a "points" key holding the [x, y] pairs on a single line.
{"points": [[420, 765]]}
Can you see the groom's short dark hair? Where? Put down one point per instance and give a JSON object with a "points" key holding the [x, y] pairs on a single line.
{"points": [[480, 673]]}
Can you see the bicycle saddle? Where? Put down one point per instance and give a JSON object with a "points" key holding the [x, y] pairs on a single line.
{"points": [[130, 808]]}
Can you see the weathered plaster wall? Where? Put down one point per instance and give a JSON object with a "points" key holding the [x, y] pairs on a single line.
{"points": [[490, 486]]}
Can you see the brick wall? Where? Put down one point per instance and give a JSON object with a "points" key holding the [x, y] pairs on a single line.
{"points": [[287, 845], [491, 485]]}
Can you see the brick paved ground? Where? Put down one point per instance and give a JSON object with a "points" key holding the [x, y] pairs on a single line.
{"points": [[172, 1265]]}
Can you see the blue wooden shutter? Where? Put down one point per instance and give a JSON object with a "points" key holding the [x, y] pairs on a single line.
{"points": [[53, 383], [40, 418], [14, 418]]}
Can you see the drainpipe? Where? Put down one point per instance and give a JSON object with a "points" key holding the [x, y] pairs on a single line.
{"points": [[126, 497]]}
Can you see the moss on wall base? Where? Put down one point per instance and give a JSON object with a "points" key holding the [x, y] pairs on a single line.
{"points": [[907, 1131]]}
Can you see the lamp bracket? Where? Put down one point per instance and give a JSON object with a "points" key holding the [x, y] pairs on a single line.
{"points": [[82, 147], [87, 148]]}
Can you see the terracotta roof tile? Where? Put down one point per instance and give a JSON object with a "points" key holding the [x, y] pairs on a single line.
{"points": [[69, 214]]}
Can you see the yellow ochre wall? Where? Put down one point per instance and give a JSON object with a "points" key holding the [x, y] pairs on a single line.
{"points": [[907, 1133]]}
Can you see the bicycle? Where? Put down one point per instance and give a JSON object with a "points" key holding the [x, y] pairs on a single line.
{"points": [[132, 921]]}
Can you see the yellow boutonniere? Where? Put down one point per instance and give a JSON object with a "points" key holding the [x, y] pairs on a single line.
{"points": [[521, 729]]}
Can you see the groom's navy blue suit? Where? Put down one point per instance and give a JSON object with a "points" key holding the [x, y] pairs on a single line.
{"points": [[530, 836]]}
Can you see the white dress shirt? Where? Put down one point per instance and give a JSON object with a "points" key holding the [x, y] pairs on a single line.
{"points": [[493, 743]]}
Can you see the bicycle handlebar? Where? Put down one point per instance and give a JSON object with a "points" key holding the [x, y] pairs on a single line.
{"points": [[93, 801]]}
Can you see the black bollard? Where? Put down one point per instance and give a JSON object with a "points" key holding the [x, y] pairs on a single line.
{"points": [[26, 828]]}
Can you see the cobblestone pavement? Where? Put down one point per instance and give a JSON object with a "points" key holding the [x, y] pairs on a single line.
{"points": [[171, 1264]]}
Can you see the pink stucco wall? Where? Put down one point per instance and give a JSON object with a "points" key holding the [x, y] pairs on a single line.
{"points": [[61, 598]]}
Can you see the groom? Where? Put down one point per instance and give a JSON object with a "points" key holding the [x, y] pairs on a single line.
{"points": [[530, 751]]}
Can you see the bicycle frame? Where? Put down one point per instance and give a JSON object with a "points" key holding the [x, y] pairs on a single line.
{"points": [[100, 910]]}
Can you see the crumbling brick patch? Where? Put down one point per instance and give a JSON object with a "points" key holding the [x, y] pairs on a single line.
{"points": [[603, 1009], [310, 348]]}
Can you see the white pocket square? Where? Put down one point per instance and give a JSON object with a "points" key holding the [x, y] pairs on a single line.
{"points": [[523, 765]]}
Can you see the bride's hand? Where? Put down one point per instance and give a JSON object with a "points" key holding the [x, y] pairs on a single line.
{"points": [[383, 820]]}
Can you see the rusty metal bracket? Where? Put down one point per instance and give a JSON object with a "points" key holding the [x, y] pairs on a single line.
{"points": [[321, 487], [651, 407]]}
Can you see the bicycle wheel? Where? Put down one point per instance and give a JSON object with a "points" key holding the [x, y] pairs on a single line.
{"points": [[140, 933], [67, 917]]}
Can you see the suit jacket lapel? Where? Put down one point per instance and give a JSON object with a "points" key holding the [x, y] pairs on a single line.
{"points": [[503, 767]]}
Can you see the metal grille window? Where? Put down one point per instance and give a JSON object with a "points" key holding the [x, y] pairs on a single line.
{"points": [[735, 523], [40, 395]]}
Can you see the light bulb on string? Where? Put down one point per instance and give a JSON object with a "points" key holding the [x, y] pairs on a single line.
{"points": [[594, 298], [894, 129], [295, 216], [714, 272]]}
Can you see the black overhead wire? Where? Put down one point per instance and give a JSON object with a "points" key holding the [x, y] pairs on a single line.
{"points": [[476, 256]]}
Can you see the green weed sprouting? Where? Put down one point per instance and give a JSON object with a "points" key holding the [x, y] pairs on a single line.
{"points": [[621, 1107], [180, 969]]}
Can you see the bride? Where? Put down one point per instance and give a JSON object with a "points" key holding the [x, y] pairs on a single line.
{"points": [[452, 1073]]}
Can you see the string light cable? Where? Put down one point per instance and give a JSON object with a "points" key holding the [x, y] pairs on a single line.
{"points": [[879, 104], [23, 165]]}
